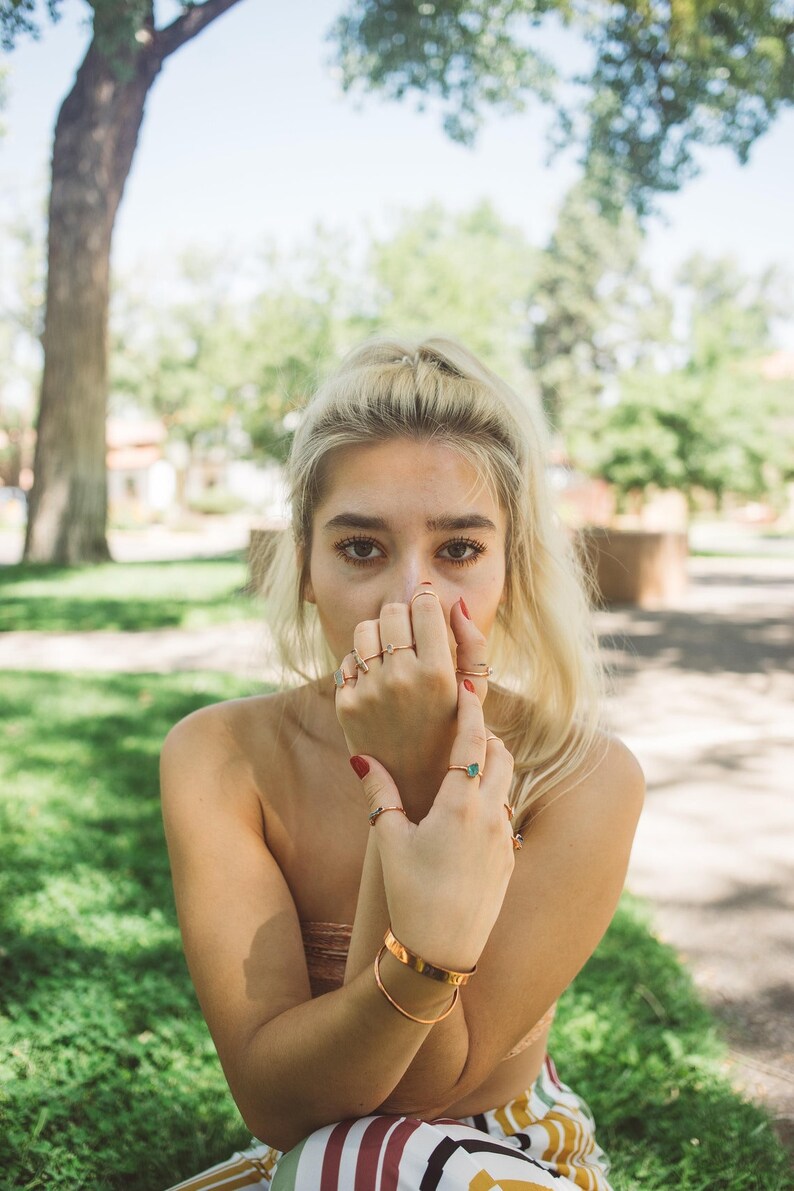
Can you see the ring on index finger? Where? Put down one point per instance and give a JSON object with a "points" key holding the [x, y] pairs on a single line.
{"points": [[472, 770], [417, 594], [361, 663]]}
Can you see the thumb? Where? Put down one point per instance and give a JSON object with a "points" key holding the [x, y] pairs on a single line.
{"points": [[381, 792]]}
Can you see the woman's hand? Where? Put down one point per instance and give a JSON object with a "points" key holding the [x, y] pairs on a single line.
{"points": [[402, 710], [446, 877]]}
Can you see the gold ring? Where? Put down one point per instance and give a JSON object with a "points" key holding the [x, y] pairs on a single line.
{"points": [[393, 648], [486, 673], [472, 770], [382, 811], [417, 594], [340, 678], [361, 663]]}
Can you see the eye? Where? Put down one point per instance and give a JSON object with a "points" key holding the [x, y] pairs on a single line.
{"points": [[463, 551], [358, 551]]}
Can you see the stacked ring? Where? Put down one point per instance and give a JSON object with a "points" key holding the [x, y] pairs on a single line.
{"points": [[482, 673], [473, 770]]}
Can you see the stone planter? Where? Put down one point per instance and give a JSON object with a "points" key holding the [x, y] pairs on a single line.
{"points": [[642, 567]]}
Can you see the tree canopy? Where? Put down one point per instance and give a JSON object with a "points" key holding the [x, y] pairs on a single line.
{"points": [[665, 76]]}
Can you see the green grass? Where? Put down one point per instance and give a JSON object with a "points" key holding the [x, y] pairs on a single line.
{"points": [[108, 1078], [129, 595]]}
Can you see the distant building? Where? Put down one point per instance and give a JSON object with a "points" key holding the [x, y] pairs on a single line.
{"points": [[141, 480]]}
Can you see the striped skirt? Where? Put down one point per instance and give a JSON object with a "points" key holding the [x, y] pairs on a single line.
{"points": [[544, 1138]]}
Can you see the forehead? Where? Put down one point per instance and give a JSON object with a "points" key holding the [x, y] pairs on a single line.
{"points": [[401, 478]]}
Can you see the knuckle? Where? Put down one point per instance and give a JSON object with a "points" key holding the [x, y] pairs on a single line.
{"points": [[477, 738], [392, 608]]}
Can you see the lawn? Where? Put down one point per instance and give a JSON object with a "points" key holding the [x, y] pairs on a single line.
{"points": [[108, 1078], [125, 595]]}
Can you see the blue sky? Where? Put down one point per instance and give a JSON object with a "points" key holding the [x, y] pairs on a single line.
{"points": [[247, 136]]}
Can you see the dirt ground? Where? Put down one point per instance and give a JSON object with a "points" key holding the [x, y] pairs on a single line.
{"points": [[703, 693]]}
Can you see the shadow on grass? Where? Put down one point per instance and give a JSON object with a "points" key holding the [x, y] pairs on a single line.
{"points": [[109, 1077], [123, 596]]}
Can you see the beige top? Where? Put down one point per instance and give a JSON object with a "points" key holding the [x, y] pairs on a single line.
{"points": [[326, 945]]}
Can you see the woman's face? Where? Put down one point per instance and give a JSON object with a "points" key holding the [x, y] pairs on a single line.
{"points": [[397, 514]]}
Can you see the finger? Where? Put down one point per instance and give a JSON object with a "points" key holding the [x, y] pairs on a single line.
{"points": [[366, 640], [429, 628], [496, 781], [467, 759], [381, 793], [471, 657], [345, 675], [395, 631]]}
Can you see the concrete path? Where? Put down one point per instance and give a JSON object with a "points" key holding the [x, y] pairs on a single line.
{"points": [[704, 695]]}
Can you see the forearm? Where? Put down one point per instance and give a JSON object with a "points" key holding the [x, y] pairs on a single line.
{"points": [[293, 1080], [440, 1058]]}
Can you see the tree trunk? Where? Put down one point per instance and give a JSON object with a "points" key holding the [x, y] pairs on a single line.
{"points": [[95, 139]]}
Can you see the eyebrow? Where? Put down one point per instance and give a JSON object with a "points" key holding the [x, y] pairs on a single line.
{"points": [[444, 522]]}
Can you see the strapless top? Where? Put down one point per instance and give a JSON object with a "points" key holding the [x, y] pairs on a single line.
{"points": [[326, 945]]}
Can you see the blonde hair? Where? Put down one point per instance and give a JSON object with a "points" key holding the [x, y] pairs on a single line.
{"points": [[542, 646]]}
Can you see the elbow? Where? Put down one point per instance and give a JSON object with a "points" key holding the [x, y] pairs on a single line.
{"points": [[272, 1128]]}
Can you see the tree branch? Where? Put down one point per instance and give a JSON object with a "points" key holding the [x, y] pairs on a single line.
{"points": [[190, 24]]}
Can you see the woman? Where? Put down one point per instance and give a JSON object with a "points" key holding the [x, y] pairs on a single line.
{"points": [[380, 986]]}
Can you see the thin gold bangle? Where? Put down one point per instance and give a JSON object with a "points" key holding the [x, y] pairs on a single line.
{"points": [[421, 1020], [412, 960]]}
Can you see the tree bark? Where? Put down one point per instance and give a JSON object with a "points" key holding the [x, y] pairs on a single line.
{"points": [[95, 139]]}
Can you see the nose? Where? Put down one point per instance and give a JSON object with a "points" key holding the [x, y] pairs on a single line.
{"points": [[408, 580]]}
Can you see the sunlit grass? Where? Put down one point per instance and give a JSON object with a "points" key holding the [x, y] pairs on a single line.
{"points": [[108, 1078], [131, 595]]}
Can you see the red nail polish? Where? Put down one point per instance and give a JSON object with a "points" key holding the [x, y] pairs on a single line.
{"points": [[360, 765], [464, 609], [469, 685]]}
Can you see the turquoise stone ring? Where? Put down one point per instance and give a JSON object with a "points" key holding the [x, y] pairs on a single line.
{"points": [[473, 770]]}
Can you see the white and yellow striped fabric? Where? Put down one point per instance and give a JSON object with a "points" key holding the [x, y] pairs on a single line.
{"points": [[542, 1139]]}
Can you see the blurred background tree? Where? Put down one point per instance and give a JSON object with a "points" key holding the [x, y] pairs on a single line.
{"points": [[663, 79], [95, 139], [716, 424]]}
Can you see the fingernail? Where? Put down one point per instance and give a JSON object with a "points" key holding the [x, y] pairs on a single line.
{"points": [[464, 609], [360, 765], [469, 685]]}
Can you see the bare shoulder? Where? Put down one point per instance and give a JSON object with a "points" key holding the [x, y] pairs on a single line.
{"points": [[227, 735], [597, 807]]}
